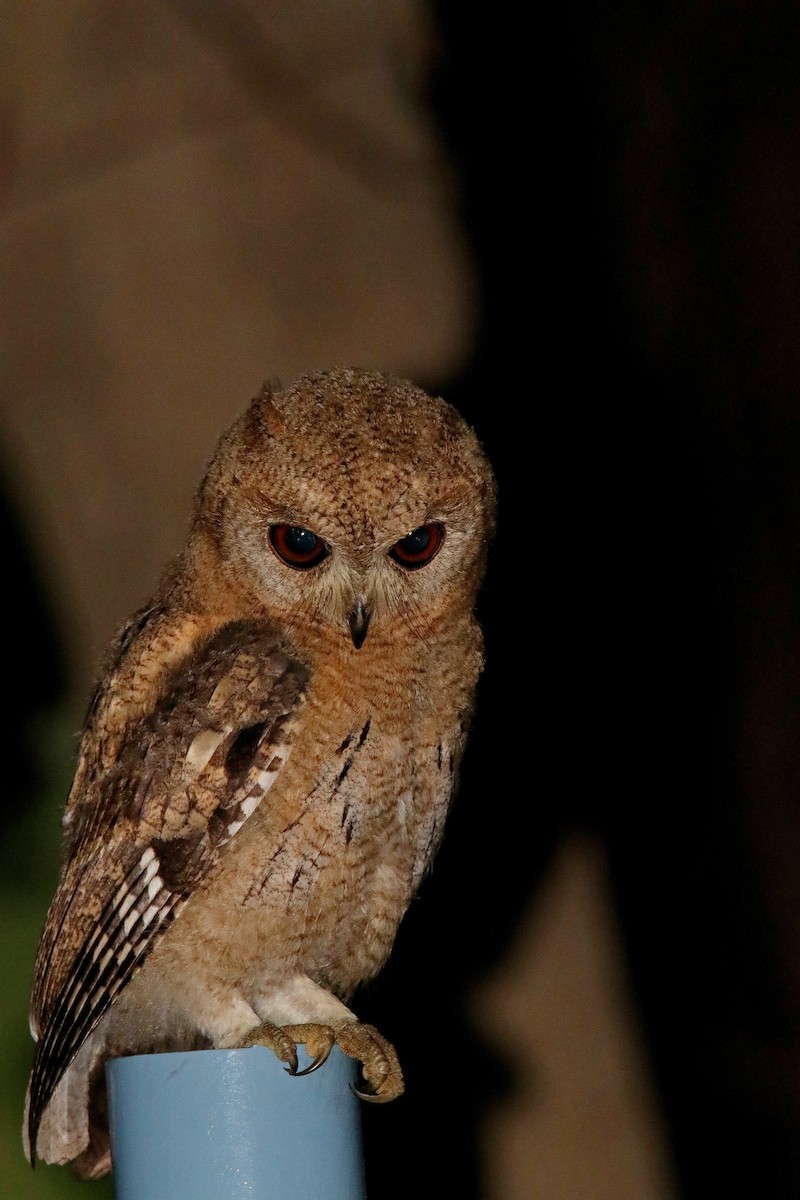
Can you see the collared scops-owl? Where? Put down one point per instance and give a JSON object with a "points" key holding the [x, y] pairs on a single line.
{"points": [[269, 757]]}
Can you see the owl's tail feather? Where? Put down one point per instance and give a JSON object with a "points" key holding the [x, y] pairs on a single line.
{"points": [[69, 1131]]}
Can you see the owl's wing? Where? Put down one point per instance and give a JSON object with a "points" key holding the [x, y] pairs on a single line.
{"points": [[186, 780]]}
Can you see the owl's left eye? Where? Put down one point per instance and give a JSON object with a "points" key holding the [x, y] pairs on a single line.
{"points": [[297, 547], [419, 547]]}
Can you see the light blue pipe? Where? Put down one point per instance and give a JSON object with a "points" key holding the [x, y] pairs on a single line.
{"points": [[234, 1125]]}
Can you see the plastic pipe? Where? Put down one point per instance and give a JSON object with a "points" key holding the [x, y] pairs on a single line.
{"points": [[234, 1125]]}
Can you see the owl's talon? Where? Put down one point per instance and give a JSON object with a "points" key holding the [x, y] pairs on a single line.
{"points": [[380, 1066], [318, 1041], [276, 1039], [371, 1097], [284, 1040], [318, 1061]]}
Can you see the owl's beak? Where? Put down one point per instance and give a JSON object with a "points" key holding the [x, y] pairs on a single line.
{"points": [[359, 622]]}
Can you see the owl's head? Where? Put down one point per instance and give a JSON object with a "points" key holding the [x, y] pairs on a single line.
{"points": [[351, 504]]}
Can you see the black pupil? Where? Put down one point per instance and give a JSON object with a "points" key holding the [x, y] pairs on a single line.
{"points": [[300, 541], [417, 541]]}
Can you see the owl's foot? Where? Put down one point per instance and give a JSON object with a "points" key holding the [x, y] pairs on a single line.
{"points": [[280, 1039], [380, 1066]]}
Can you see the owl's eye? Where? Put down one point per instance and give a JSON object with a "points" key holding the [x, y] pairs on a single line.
{"points": [[297, 547], [417, 548]]}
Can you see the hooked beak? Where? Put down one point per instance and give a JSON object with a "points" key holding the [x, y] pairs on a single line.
{"points": [[359, 622]]}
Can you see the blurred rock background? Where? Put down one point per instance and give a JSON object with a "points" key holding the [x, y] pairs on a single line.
{"points": [[587, 236]]}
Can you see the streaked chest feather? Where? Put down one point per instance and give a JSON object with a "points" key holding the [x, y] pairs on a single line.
{"points": [[378, 803], [323, 871]]}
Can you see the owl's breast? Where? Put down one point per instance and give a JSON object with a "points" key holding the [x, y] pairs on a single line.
{"points": [[345, 866], [389, 817], [319, 877]]}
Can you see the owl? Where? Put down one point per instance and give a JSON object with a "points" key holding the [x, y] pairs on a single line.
{"points": [[269, 757]]}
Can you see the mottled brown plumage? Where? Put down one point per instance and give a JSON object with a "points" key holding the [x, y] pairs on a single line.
{"points": [[268, 761]]}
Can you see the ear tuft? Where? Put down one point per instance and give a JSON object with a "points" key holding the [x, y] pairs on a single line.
{"points": [[266, 411]]}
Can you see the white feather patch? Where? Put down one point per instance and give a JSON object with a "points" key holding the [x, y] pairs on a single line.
{"points": [[201, 750]]}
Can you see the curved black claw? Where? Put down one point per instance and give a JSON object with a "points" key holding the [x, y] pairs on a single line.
{"points": [[370, 1097], [318, 1061], [292, 1066]]}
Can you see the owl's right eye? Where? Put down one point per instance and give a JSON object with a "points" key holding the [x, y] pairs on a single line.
{"points": [[297, 547]]}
